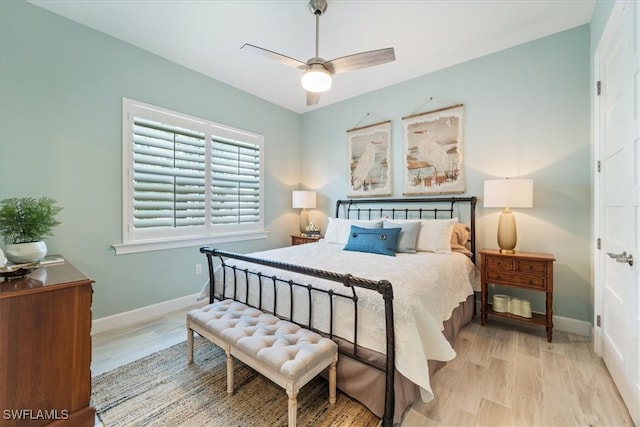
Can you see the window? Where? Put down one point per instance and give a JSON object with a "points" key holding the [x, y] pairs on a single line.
{"points": [[187, 181]]}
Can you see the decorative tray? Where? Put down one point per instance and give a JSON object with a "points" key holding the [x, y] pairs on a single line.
{"points": [[15, 271]]}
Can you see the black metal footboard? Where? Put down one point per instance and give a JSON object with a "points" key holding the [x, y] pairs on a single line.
{"points": [[348, 292]]}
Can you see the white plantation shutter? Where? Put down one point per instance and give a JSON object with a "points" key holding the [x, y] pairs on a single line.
{"points": [[168, 175], [235, 182], [187, 178]]}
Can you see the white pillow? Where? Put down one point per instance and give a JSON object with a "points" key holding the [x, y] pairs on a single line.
{"points": [[338, 229], [435, 235], [408, 236]]}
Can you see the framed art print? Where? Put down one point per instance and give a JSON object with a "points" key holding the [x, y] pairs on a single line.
{"points": [[370, 160], [434, 152]]}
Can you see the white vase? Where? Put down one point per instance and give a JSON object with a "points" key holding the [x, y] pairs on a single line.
{"points": [[25, 252], [500, 303]]}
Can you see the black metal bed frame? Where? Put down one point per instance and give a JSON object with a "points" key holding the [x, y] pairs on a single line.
{"points": [[350, 283]]}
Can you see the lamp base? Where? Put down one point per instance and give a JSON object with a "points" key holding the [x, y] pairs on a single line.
{"points": [[507, 236], [304, 220]]}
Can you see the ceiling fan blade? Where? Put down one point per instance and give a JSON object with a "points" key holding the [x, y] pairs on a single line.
{"points": [[274, 55], [313, 98], [361, 60]]}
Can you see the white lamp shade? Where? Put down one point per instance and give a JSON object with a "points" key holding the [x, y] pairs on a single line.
{"points": [[508, 193], [304, 199], [316, 79]]}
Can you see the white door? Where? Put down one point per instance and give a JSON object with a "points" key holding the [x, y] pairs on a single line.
{"points": [[618, 201]]}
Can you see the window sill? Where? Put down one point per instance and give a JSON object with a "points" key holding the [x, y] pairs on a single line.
{"points": [[158, 245]]}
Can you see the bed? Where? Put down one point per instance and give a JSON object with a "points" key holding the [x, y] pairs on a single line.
{"points": [[395, 318]]}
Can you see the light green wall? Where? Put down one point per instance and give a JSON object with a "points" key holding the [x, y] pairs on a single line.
{"points": [[61, 84], [601, 13], [61, 89], [526, 115]]}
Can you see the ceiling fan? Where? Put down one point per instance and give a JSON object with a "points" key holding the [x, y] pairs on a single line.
{"points": [[318, 72]]}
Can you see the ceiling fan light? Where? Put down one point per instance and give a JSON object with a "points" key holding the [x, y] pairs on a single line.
{"points": [[316, 80]]}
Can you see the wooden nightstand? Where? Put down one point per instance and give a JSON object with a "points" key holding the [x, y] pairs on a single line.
{"points": [[301, 239], [526, 270]]}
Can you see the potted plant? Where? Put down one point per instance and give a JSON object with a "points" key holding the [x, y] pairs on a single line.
{"points": [[24, 223]]}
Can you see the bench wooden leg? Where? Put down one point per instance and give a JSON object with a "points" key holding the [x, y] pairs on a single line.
{"points": [[229, 373], [293, 408], [189, 345], [332, 383]]}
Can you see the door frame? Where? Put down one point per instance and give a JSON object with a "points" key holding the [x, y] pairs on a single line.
{"points": [[620, 32], [598, 255]]}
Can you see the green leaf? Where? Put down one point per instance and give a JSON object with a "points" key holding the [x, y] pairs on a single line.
{"points": [[27, 219]]}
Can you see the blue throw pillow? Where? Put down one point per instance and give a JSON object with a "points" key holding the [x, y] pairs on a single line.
{"points": [[373, 240]]}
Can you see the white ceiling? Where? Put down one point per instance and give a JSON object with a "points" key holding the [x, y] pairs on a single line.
{"points": [[206, 36]]}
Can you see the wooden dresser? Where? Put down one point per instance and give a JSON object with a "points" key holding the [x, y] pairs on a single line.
{"points": [[45, 348]]}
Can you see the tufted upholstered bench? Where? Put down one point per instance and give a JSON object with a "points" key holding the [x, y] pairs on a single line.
{"points": [[282, 351]]}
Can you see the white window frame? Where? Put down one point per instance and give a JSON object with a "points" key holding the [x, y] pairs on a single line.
{"points": [[142, 240]]}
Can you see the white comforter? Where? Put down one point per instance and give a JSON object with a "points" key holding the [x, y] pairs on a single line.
{"points": [[427, 287]]}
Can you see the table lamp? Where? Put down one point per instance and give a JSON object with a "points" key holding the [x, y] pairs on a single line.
{"points": [[304, 200], [507, 194]]}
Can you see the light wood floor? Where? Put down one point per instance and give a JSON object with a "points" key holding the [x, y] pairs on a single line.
{"points": [[505, 374]]}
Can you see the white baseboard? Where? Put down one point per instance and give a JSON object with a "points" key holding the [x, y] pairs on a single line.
{"points": [[143, 314], [566, 324], [573, 326]]}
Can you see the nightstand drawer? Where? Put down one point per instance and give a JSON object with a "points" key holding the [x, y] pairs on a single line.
{"points": [[516, 279], [500, 263], [531, 267], [301, 239]]}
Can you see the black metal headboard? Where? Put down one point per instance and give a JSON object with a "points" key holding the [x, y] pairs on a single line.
{"points": [[418, 208]]}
